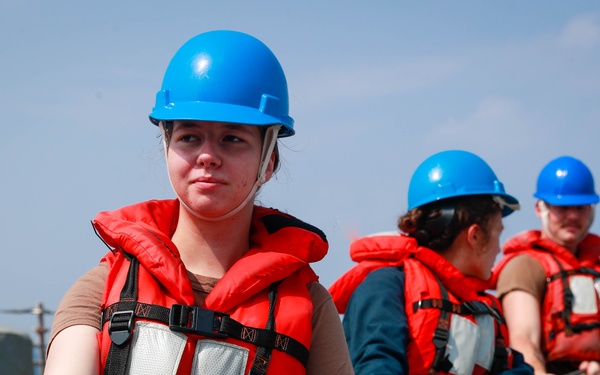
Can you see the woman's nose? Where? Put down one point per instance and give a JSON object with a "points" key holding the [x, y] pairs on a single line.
{"points": [[208, 155]]}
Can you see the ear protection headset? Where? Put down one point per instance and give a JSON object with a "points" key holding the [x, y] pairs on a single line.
{"points": [[435, 226]]}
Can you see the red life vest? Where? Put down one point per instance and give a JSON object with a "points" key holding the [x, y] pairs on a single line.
{"points": [[454, 326], [570, 313], [257, 319]]}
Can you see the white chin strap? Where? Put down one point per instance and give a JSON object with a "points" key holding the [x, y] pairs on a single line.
{"points": [[267, 150], [544, 212], [503, 203]]}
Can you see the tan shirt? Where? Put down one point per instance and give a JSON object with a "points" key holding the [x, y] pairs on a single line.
{"points": [[328, 351], [522, 273]]}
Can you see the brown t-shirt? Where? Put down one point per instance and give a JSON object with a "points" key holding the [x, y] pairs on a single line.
{"points": [[525, 273], [328, 351], [522, 273]]}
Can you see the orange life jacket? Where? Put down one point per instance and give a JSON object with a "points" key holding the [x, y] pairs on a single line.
{"points": [[570, 313], [454, 326], [257, 319]]}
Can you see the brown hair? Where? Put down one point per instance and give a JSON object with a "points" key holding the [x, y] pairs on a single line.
{"points": [[436, 225]]}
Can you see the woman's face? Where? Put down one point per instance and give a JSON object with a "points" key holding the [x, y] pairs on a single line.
{"points": [[213, 166], [488, 248]]}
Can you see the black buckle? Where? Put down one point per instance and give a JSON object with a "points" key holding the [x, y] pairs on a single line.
{"points": [[481, 308], [119, 328], [196, 320], [477, 307], [440, 337]]}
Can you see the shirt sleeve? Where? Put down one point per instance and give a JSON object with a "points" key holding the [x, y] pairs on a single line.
{"points": [[522, 273], [376, 324], [81, 303], [328, 350]]}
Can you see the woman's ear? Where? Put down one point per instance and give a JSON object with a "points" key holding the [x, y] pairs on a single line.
{"points": [[270, 168], [474, 236]]}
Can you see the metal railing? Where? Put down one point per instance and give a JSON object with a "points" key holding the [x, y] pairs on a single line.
{"points": [[41, 330]]}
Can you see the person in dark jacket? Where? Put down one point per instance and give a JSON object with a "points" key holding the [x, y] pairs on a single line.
{"points": [[416, 302]]}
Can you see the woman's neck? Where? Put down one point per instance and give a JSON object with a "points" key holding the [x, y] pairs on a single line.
{"points": [[459, 254], [210, 248]]}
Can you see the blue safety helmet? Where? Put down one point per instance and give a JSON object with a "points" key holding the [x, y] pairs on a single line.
{"points": [[566, 181], [224, 76], [456, 173]]}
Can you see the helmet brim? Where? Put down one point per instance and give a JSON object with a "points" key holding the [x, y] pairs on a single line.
{"points": [[221, 112], [569, 200], [506, 210]]}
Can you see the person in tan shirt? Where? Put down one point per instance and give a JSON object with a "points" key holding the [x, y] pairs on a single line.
{"points": [[207, 282], [546, 279], [81, 306]]}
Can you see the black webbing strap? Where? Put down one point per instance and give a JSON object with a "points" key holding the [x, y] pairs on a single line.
{"points": [[122, 324], [199, 321], [263, 353], [118, 315], [568, 299], [579, 271], [501, 351], [441, 361], [266, 338], [193, 320], [470, 308], [578, 328]]}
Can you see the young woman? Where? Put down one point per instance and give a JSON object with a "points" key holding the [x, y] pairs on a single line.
{"points": [[416, 302], [207, 283]]}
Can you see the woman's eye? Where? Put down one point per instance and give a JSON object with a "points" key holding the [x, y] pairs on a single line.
{"points": [[188, 138], [232, 138]]}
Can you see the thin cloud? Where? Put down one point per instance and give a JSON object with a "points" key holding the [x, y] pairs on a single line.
{"points": [[582, 33], [496, 120], [366, 80]]}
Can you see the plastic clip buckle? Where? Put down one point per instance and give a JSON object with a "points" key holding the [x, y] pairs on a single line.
{"points": [[118, 333], [196, 320]]}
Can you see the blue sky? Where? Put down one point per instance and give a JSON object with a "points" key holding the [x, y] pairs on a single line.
{"points": [[375, 88]]}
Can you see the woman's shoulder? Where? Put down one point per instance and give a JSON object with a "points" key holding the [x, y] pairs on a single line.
{"points": [[385, 277], [381, 284], [329, 352], [81, 303]]}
